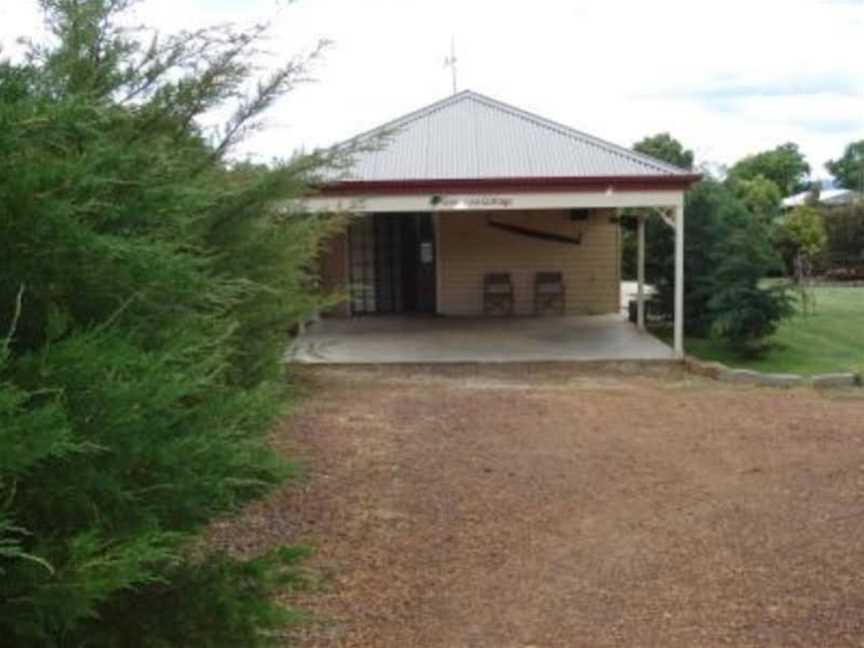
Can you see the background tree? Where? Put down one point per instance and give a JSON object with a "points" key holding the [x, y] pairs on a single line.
{"points": [[785, 166], [665, 147], [848, 170], [804, 229], [845, 229], [147, 291], [801, 238], [761, 197]]}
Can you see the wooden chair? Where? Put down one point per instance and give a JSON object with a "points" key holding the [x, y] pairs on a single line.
{"points": [[497, 294], [549, 293]]}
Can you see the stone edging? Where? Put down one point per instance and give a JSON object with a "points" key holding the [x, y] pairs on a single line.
{"points": [[722, 373]]}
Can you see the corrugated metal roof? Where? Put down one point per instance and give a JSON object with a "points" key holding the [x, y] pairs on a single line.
{"points": [[830, 197], [471, 136]]}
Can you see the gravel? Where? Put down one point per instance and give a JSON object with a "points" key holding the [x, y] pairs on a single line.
{"points": [[533, 506]]}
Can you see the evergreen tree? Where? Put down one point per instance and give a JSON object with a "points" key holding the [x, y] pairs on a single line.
{"points": [[147, 290], [709, 210], [727, 256], [742, 310]]}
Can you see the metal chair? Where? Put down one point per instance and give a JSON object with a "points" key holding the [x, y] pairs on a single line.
{"points": [[549, 293], [497, 294]]}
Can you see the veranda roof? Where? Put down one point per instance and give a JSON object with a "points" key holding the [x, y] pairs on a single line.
{"points": [[469, 137]]}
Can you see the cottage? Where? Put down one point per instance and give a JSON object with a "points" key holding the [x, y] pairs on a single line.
{"points": [[472, 208]]}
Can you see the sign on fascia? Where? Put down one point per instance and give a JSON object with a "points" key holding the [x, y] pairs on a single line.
{"points": [[471, 202]]}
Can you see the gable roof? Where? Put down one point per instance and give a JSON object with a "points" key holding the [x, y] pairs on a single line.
{"points": [[470, 137]]}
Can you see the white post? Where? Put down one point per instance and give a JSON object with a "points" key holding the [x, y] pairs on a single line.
{"points": [[640, 264], [679, 281]]}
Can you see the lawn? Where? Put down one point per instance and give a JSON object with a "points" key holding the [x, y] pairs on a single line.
{"points": [[830, 340]]}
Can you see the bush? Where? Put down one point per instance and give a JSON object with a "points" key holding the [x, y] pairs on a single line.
{"points": [[230, 613], [148, 287]]}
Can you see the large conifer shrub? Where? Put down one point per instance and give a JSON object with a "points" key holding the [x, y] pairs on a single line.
{"points": [[147, 292]]}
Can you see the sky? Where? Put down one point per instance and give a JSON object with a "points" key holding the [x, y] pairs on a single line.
{"points": [[726, 78]]}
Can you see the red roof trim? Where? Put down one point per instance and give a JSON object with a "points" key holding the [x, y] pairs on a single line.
{"points": [[510, 185]]}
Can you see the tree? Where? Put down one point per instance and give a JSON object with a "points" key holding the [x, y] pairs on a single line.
{"points": [[806, 228], [761, 197], [721, 238], [668, 149], [665, 147], [845, 229], [146, 295], [710, 211], [848, 170], [742, 310], [785, 166], [801, 237], [726, 228]]}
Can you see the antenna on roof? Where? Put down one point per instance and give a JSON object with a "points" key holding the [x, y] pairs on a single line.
{"points": [[450, 61]]}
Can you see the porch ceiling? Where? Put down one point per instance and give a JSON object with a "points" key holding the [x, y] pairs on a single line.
{"points": [[422, 340]]}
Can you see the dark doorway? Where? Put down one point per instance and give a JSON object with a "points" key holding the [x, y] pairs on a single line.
{"points": [[392, 264]]}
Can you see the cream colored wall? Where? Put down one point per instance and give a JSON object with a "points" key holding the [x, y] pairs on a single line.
{"points": [[469, 248]]}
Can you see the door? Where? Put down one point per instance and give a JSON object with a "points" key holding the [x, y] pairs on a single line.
{"points": [[392, 263], [426, 264]]}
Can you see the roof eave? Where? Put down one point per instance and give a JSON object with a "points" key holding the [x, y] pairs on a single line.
{"points": [[511, 185]]}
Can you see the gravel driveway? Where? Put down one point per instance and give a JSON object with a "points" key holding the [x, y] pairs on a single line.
{"points": [[543, 507]]}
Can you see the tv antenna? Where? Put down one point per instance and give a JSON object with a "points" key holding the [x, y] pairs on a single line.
{"points": [[450, 61]]}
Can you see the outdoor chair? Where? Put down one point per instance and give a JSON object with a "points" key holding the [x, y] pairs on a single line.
{"points": [[497, 294], [549, 293]]}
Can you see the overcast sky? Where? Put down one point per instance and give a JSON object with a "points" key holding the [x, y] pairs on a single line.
{"points": [[727, 78]]}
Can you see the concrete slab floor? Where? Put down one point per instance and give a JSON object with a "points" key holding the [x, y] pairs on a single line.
{"points": [[413, 339]]}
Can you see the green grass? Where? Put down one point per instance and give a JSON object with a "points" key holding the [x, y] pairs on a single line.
{"points": [[831, 339]]}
